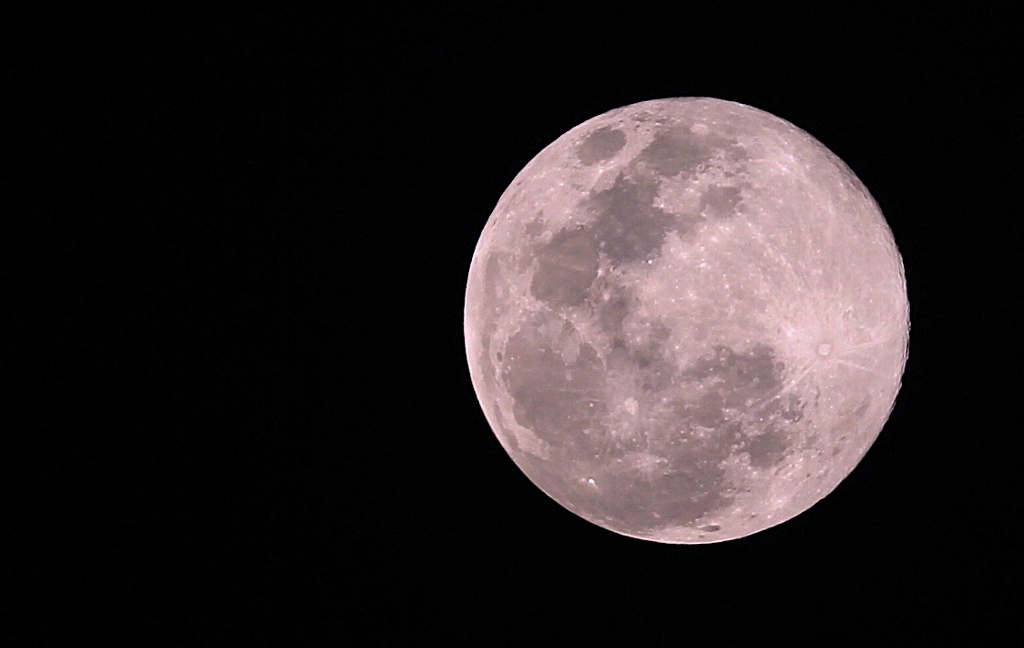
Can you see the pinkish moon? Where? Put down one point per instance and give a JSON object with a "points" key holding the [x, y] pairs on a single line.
{"points": [[686, 320]]}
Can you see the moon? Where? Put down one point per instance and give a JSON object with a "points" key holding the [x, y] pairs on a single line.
{"points": [[686, 320]]}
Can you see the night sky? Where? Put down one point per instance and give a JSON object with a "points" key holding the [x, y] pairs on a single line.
{"points": [[236, 250]]}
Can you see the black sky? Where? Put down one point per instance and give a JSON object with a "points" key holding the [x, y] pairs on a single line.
{"points": [[237, 251]]}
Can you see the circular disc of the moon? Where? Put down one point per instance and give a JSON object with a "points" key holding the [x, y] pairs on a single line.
{"points": [[686, 320]]}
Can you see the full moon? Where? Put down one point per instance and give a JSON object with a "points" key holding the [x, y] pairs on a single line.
{"points": [[686, 320]]}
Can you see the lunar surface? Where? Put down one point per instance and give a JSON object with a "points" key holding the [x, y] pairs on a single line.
{"points": [[686, 320]]}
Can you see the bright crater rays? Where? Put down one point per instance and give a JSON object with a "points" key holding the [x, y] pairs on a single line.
{"points": [[686, 320]]}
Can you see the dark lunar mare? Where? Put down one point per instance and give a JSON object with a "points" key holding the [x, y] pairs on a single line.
{"points": [[566, 267], [678, 151], [626, 224], [600, 145], [565, 404], [695, 437], [562, 403]]}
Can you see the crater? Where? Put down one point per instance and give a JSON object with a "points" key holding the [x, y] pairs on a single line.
{"points": [[600, 145]]}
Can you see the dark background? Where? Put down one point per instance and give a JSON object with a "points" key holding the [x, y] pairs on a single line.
{"points": [[235, 253]]}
